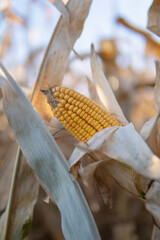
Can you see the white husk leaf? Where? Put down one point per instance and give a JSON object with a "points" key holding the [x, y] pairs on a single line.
{"points": [[104, 90], [47, 161], [93, 93], [155, 233], [149, 126], [150, 132], [125, 145]]}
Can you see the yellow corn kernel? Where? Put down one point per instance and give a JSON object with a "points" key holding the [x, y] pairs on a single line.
{"points": [[77, 103], [57, 114], [67, 105], [66, 115], [70, 100], [75, 95], [84, 116], [76, 118], [63, 101], [78, 114], [82, 123], [62, 90], [93, 132], [56, 94], [61, 95], [67, 91], [66, 97], [71, 93], [60, 105], [71, 107], [85, 125], [75, 109], [90, 120], [79, 121], [73, 124], [68, 119], [62, 109], [73, 115], [81, 105], [70, 112], [74, 101], [82, 113], [71, 121], [79, 111], [84, 107]]}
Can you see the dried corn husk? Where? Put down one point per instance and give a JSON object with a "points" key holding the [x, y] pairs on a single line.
{"points": [[48, 163]]}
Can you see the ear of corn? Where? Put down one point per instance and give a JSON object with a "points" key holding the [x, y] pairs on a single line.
{"points": [[78, 114]]}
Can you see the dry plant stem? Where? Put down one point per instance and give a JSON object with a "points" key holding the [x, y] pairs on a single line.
{"points": [[147, 35], [12, 188]]}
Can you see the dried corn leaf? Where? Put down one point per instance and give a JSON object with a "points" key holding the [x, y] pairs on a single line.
{"points": [[155, 233], [153, 201], [5, 43], [6, 176], [93, 93], [62, 8], [154, 17], [125, 145], [16, 219], [4, 5], [48, 162], [13, 17], [104, 90], [53, 66], [121, 173], [150, 130]]}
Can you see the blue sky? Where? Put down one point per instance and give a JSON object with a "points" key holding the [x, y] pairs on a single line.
{"points": [[101, 20], [100, 24]]}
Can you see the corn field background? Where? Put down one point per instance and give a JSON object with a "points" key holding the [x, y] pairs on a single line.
{"points": [[51, 185]]}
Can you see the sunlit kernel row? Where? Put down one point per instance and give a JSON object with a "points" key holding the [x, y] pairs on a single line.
{"points": [[79, 115]]}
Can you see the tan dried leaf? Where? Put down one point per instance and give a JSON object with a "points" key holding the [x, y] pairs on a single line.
{"points": [[155, 233], [55, 60], [153, 201], [104, 90], [47, 161], [18, 214], [154, 17]]}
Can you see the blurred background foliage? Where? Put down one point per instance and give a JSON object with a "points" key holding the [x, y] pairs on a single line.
{"points": [[127, 52]]}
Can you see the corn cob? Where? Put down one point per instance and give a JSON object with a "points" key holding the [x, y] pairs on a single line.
{"points": [[79, 115]]}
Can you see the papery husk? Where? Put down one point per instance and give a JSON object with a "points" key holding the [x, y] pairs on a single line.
{"points": [[120, 150], [53, 67], [153, 202], [18, 214], [104, 90], [155, 233], [130, 153], [154, 17], [93, 93], [150, 132], [6, 172], [48, 164]]}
